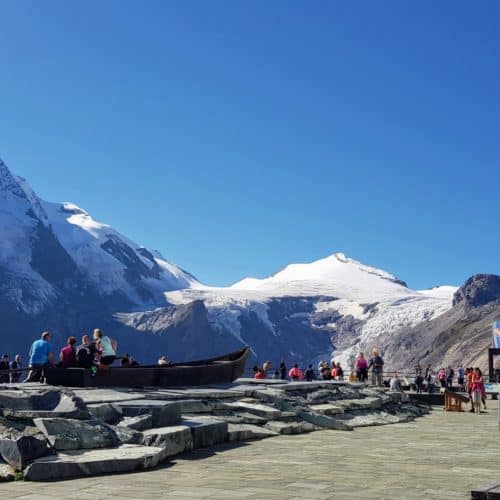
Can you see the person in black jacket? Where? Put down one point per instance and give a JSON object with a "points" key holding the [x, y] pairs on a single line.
{"points": [[282, 370], [16, 365], [4, 365]]}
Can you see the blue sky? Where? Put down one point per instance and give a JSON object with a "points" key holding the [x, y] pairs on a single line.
{"points": [[238, 137]]}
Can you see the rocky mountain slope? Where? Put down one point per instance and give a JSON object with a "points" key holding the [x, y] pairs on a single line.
{"points": [[62, 270], [461, 335]]}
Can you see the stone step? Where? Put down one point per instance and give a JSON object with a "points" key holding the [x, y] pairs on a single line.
{"points": [[261, 410], [71, 434], [290, 427], [126, 458], [288, 416], [240, 418], [139, 423], [106, 412], [370, 403], [26, 405], [175, 439], [19, 448], [206, 431], [327, 409], [247, 432], [374, 418], [164, 413]]}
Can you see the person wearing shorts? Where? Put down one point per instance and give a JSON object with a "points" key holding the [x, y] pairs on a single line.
{"points": [[107, 348]]}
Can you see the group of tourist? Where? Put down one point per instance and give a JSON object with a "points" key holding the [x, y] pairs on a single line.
{"points": [[375, 363], [93, 354], [12, 375]]}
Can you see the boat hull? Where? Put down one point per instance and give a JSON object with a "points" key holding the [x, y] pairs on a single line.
{"points": [[224, 369]]}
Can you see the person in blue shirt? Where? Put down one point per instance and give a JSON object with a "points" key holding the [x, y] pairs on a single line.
{"points": [[41, 356]]}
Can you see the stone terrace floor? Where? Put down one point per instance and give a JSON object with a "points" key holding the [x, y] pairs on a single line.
{"points": [[442, 455]]}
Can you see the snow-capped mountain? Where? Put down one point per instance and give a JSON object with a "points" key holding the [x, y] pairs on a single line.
{"points": [[47, 247], [336, 302], [62, 270]]}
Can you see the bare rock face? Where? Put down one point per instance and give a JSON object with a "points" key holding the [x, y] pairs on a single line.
{"points": [[479, 290]]}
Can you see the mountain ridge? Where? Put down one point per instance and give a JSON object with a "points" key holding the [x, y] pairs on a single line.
{"points": [[61, 269]]}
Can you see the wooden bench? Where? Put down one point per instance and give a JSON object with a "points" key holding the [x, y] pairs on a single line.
{"points": [[453, 401]]}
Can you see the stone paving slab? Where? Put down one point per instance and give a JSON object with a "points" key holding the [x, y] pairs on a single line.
{"points": [[126, 458], [442, 455]]}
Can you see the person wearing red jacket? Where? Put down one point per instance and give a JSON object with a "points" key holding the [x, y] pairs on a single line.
{"points": [[295, 373]]}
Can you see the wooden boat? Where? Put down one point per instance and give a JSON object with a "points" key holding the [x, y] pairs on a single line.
{"points": [[220, 370]]}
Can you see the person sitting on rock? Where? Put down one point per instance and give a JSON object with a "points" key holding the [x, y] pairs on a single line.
{"points": [[260, 374], [309, 374], [107, 348], [162, 361], [86, 353], [67, 356], [395, 384], [41, 357], [295, 373]]}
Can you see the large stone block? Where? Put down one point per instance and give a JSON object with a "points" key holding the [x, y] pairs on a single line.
{"points": [[258, 409], [206, 431], [327, 409], [106, 412], [125, 435], [247, 432], [280, 427], [7, 473], [70, 434], [175, 439], [18, 449], [163, 413], [139, 423], [126, 458], [31, 404]]}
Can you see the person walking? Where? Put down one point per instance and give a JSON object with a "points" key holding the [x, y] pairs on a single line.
{"points": [[16, 365], [41, 357], [377, 366]]}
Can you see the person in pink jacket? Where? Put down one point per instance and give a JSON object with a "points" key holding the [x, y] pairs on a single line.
{"points": [[295, 373]]}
